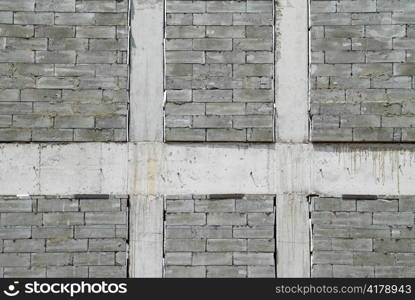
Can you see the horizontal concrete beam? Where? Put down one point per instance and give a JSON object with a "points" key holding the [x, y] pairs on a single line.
{"points": [[156, 168]]}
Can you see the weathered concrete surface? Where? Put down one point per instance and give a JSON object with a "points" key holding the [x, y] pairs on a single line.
{"points": [[103, 168], [146, 236], [293, 237], [228, 169], [146, 89], [22, 172]]}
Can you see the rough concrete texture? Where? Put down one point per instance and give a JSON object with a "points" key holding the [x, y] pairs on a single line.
{"points": [[220, 236], [63, 236], [63, 70], [157, 169], [219, 71], [363, 238], [362, 71]]}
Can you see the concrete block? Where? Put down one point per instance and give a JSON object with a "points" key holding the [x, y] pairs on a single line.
{"points": [[211, 259], [240, 258]]}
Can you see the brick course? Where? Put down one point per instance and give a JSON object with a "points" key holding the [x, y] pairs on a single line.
{"points": [[219, 71], [63, 236], [362, 71], [63, 70], [226, 236]]}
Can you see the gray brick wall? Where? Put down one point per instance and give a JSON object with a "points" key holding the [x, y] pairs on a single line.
{"points": [[363, 238], [362, 70], [219, 236], [219, 71], [63, 70], [63, 236]]}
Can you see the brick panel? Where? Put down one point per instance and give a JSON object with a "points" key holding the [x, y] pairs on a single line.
{"points": [[363, 238], [63, 70], [220, 236], [219, 71], [362, 71], [63, 236]]}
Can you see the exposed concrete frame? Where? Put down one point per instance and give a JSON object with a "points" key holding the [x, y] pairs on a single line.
{"points": [[147, 169]]}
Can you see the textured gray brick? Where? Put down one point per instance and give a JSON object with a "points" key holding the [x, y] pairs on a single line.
{"points": [[55, 5], [20, 219], [67, 271], [253, 258], [14, 260], [96, 231], [334, 204], [253, 232], [74, 18], [106, 245], [50, 259], [261, 219], [67, 245], [186, 219], [226, 245], [394, 271], [16, 205], [226, 219], [394, 218], [57, 82], [211, 259], [378, 205], [63, 218], [227, 205], [175, 245], [353, 271], [37, 18], [261, 245], [352, 244], [100, 205], [52, 205], [178, 258], [108, 271], [213, 232], [53, 31], [37, 245], [52, 232], [226, 272], [185, 6], [19, 5], [184, 134], [180, 206], [24, 272], [109, 218], [373, 259], [185, 271]]}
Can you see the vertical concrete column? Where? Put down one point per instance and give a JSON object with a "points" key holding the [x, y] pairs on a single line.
{"points": [[146, 212], [293, 164], [146, 78], [291, 71], [146, 135], [293, 235]]}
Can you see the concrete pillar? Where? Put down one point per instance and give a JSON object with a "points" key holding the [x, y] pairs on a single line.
{"points": [[146, 75], [146, 133], [293, 168], [293, 236], [146, 236]]}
